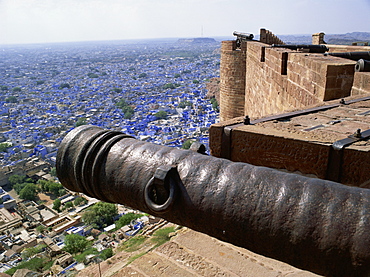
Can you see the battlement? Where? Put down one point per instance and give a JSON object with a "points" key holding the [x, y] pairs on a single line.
{"points": [[265, 82], [257, 72]]}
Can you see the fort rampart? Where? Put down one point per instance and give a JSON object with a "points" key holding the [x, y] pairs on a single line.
{"points": [[270, 80]]}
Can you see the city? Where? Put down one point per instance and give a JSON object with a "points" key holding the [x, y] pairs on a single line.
{"points": [[152, 90]]}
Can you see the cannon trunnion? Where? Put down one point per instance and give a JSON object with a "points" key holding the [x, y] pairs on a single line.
{"points": [[310, 223]]}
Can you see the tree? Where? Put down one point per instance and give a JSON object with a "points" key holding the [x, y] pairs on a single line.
{"points": [[56, 204], [11, 99], [187, 144], [93, 75], [28, 192], [101, 214], [143, 75], [53, 172], [29, 252], [184, 104], [40, 228], [121, 103], [4, 146], [171, 86], [81, 121], [161, 114], [106, 253], [118, 90], [75, 243], [17, 89], [126, 219], [3, 88], [214, 103], [65, 85], [68, 205], [79, 200]]}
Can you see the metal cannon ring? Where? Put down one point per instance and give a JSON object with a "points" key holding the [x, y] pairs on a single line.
{"points": [[160, 208]]}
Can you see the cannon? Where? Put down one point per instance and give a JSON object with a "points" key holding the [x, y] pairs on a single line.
{"points": [[354, 56], [313, 224], [242, 37], [362, 66], [310, 48]]}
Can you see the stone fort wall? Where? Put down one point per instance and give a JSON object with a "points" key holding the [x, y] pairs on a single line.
{"points": [[258, 80]]}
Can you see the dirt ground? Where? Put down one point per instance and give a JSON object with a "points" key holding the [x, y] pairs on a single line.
{"points": [[45, 197], [190, 253]]}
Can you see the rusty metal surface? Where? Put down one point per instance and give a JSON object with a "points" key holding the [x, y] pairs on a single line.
{"points": [[312, 224]]}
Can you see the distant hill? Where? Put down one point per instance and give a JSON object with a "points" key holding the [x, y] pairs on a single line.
{"points": [[342, 39], [348, 38], [197, 40]]}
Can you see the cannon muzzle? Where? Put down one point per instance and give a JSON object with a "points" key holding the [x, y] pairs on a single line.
{"points": [[362, 66], [240, 37], [310, 223]]}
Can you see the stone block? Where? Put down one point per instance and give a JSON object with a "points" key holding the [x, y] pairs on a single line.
{"points": [[361, 83]]}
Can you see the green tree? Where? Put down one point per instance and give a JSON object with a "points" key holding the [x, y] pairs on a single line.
{"points": [[121, 103], [187, 144], [17, 179], [126, 219], [18, 187], [106, 253], [143, 75], [65, 85], [161, 114], [118, 90], [40, 82], [93, 75], [11, 99], [28, 192], [17, 89], [53, 172], [40, 228], [195, 82], [101, 214], [170, 86], [43, 185], [29, 252], [75, 243], [68, 205], [3, 88], [184, 104], [214, 103], [80, 121], [4, 146], [177, 75], [79, 200], [56, 204]]}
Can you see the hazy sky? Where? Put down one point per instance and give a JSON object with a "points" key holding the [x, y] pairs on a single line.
{"points": [[33, 21]]}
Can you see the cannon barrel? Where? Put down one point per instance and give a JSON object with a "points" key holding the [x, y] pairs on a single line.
{"points": [[311, 48], [362, 66], [245, 36], [354, 56], [310, 223]]}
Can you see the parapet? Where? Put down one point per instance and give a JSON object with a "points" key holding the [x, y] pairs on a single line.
{"points": [[327, 141]]}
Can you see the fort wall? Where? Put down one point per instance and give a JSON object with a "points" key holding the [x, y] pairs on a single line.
{"points": [[278, 81], [291, 78]]}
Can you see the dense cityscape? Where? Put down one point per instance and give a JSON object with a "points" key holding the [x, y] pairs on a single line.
{"points": [[46, 90], [152, 90]]}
